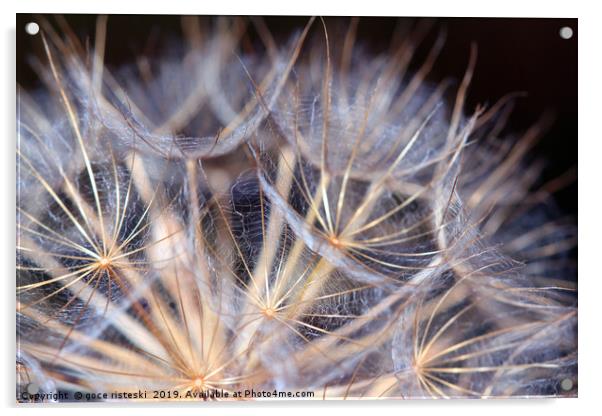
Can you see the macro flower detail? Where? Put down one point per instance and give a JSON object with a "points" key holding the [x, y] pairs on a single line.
{"points": [[297, 216]]}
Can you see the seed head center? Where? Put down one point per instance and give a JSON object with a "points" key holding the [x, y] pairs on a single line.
{"points": [[269, 312], [199, 382], [335, 241], [104, 262]]}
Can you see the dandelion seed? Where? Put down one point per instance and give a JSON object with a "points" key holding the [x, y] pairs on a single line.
{"points": [[280, 218]]}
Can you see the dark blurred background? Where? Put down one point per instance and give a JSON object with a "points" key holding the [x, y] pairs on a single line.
{"points": [[514, 54]]}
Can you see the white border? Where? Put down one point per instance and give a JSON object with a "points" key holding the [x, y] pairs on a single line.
{"points": [[590, 200], [461, 8]]}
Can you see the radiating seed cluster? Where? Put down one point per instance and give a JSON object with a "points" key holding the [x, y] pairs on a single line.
{"points": [[302, 216]]}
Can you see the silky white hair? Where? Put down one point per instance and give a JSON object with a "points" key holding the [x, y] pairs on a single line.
{"points": [[303, 217]]}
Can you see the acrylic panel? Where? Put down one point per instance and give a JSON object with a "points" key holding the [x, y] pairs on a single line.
{"points": [[295, 208]]}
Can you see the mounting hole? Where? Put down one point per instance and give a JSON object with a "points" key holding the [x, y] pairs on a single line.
{"points": [[566, 384], [32, 388], [566, 32], [32, 28]]}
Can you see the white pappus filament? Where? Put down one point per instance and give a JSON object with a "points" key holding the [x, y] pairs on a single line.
{"points": [[298, 215]]}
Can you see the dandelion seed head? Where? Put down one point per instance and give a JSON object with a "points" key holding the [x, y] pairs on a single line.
{"points": [[283, 218]]}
